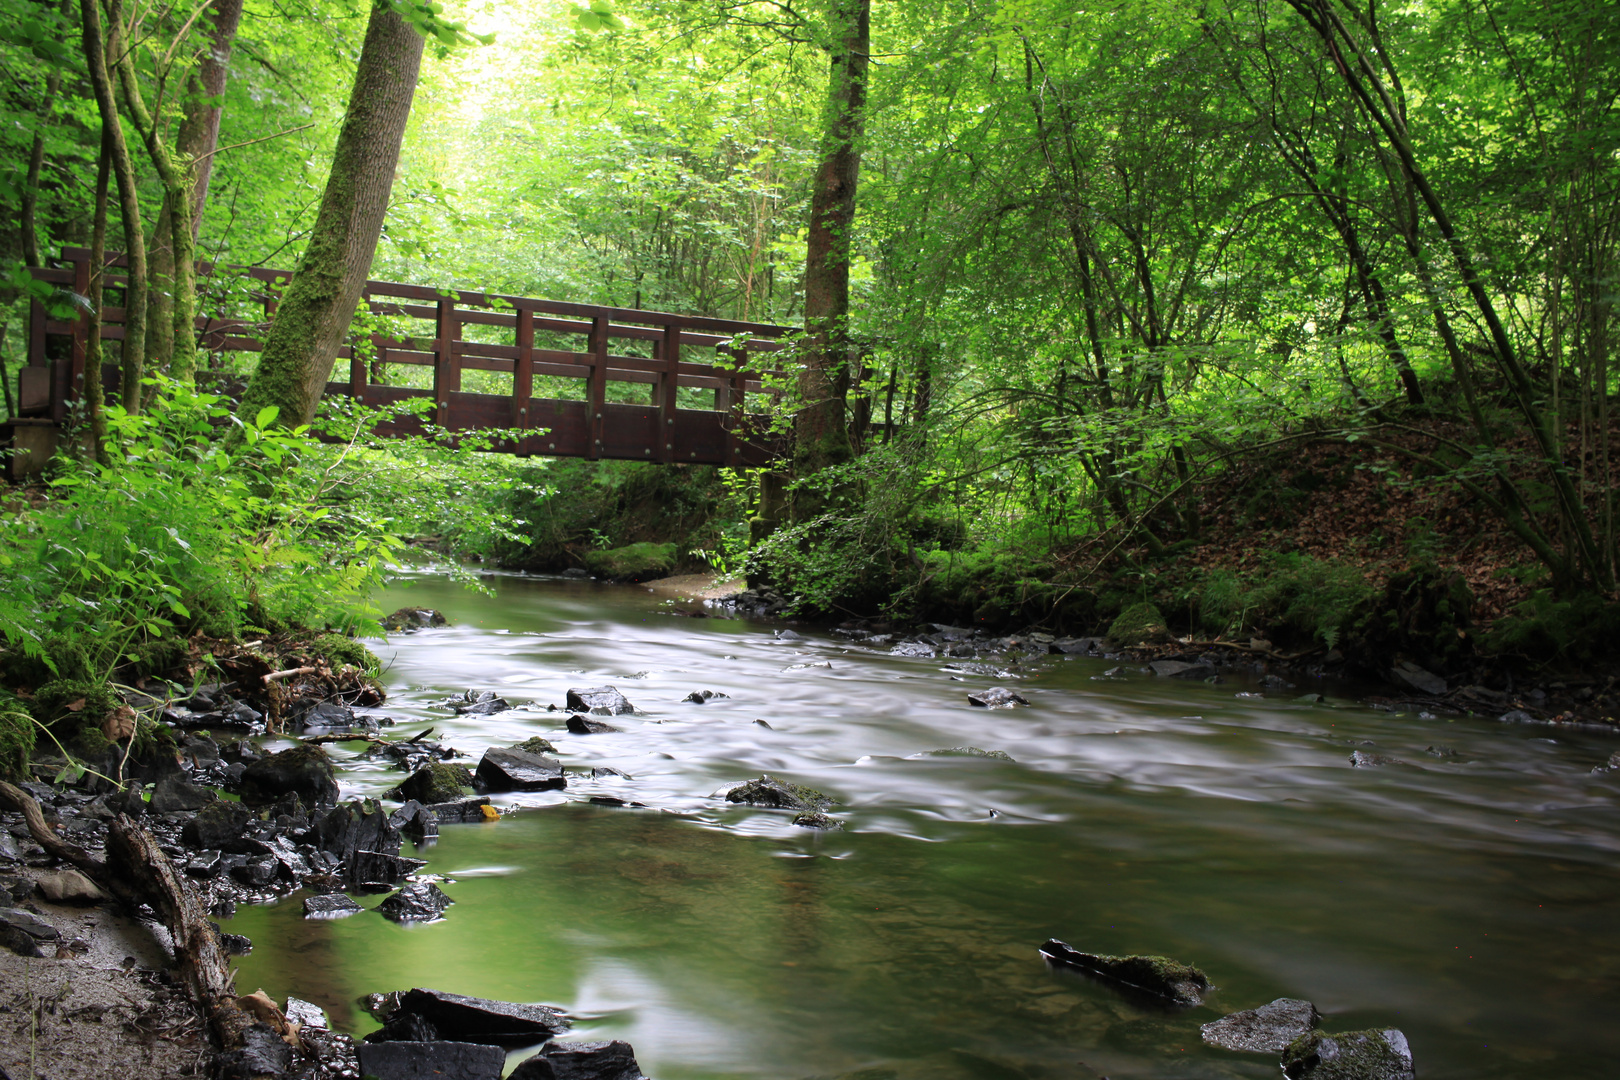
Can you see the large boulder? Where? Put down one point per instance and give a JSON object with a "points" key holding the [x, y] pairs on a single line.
{"points": [[1154, 976], [431, 1061], [614, 1060], [305, 770], [598, 699], [1266, 1030], [471, 1019], [516, 770], [1354, 1055]]}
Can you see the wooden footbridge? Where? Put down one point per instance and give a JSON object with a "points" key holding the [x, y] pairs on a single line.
{"points": [[569, 373]]}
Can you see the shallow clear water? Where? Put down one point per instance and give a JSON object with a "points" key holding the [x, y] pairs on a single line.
{"points": [[1472, 901]]}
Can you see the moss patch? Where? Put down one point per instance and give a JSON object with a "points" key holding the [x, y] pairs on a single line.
{"points": [[338, 650], [438, 782], [535, 745], [1139, 624], [16, 738], [637, 562]]}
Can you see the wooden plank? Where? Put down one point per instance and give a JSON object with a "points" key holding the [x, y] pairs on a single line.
{"points": [[69, 385], [523, 375], [668, 390], [735, 402], [37, 329], [596, 390], [446, 372]]}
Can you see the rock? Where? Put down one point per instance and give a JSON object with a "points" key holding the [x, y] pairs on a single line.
{"points": [[415, 820], [1180, 669], [414, 618], [1440, 751], [8, 846], [487, 707], [535, 745], [233, 944], [216, 825], [764, 725], [515, 770], [576, 572], [599, 771], [1157, 976], [68, 886], [174, 794], [635, 562], [1138, 624], [462, 810], [1612, 765], [1266, 1030], [327, 716], [330, 906], [431, 1061], [418, 901], [1362, 759], [363, 837], [205, 864], [470, 1019], [257, 872], [968, 751], [29, 923], [1353, 1055], [437, 782], [400, 1026], [1076, 646], [305, 1014], [1409, 675], [699, 697], [769, 791], [815, 819], [305, 770], [614, 1060], [598, 699], [263, 1053], [996, 697], [580, 725], [1517, 716], [788, 635]]}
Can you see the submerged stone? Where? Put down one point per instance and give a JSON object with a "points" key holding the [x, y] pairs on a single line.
{"points": [[598, 699], [472, 1019], [515, 770], [815, 819], [1158, 976], [431, 1061], [581, 725], [1362, 759], [769, 791], [615, 1060], [1180, 669], [1373, 1054], [330, 906], [1266, 1030], [699, 697], [968, 751], [996, 697]]}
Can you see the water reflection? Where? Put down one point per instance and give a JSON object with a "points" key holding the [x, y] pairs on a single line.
{"points": [[1470, 899]]}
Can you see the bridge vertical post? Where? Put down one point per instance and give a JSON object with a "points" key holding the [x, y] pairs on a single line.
{"points": [[66, 379], [446, 371], [357, 362], [596, 388], [523, 376], [735, 395], [668, 388]]}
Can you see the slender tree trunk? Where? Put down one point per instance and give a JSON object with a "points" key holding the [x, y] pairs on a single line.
{"points": [[36, 162], [94, 399], [314, 314], [194, 145], [129, 206], [177, 191], [820, 435]]}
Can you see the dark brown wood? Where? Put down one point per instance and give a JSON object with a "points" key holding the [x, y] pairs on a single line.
{"points": [[523, 376], [668, 393], [446, 372], [596, 393]]}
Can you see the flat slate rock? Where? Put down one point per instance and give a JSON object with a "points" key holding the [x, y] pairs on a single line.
{"points": [[581, 725], [470, 1019], [1410, 676], [1156, 976], [330, 906], [996, 697], [1266, 1030], [598, 699], [503, 769], [615, 1060], [29, 923], [1374, 1054], [431, 1061], [1180, 669]]}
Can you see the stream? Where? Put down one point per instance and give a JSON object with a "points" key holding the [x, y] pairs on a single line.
{"points": [[1473, 901]]}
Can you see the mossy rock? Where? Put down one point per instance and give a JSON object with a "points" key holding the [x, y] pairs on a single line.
{"points": [[157, 657], [1373, 1054], [74, 703], [16, 738], [437, 782], [637, 562], [769, 791], [1139, 624], [338, 650], [535, 745]]}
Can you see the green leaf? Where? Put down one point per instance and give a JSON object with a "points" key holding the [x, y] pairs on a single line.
{"points": [[267, 416]]}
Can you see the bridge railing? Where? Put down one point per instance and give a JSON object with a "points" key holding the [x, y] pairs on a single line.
{"points": [[485, 361]]}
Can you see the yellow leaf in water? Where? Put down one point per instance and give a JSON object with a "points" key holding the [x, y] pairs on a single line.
{"points": [[490, 813]]}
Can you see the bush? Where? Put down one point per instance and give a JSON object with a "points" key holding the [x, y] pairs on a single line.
{"points": [[1581, 629]]}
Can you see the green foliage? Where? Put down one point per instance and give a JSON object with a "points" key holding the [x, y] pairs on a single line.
{"points": [[1140, 624], [16, 738], [636, 562], [1307, 600], [1544, 628], [339, 650]]}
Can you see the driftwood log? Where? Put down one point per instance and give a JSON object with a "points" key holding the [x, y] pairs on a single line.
{"points": [[138, 872]]}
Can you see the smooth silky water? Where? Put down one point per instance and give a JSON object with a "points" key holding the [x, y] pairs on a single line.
{"points": [[1472, 901]]}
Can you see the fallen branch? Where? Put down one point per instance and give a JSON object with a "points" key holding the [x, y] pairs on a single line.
{"points": [[277, 676]]}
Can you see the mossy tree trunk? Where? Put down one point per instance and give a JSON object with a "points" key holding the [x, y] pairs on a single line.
{"points": [[194, 145], [313, 317], [821, 437], [129, 204]]}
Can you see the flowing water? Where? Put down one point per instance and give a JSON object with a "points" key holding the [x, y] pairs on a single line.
{"points": [[1471, 900]]}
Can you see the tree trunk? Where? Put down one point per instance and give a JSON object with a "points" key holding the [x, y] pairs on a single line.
{"points": [[177, 189], [194, 146], [313, 317], [820, 435], [129, 206], [36, 162], [94, 399]]}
